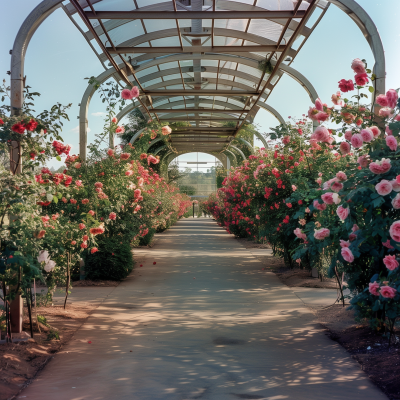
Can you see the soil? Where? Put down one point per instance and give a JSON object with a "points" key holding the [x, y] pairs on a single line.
{"points": [[369, 348], [95, 283], [20, 362]]}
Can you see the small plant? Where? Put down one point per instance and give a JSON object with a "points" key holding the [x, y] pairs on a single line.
{"points": [[265, 66]]}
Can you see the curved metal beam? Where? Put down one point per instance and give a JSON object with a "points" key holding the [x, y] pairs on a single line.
{"points": [[153, 142], [239, 151], [233, 155], [261, 137], [246, 143], [191, 151], [159, 149], [136, 135], [21, 42], [371, 34]]}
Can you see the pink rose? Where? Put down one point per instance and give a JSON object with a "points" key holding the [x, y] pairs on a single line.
{"points": [[392, 97], [361, 79], [384, 187], [395, 185], [385, 112], [358, 66], [394, 231], [336, 99], [135, 92], [319, 181], [375, 131], [380, 167], [344, 148], [322, 233], [327, 198], [390, 262], [387, 244], [374, 288], [363, 161], [352, 237], [347, 254], [348, 135], [357, 140], [391, 143], [388, 292], [344, 243], [286, 140], [337, 187], [319, 105], [367, 134], [320, 207], [355, 228], [382, 100], [300, 234], [388, 131], [396, 202], [126, 94], [346, 86], [114, 120], [321, 134], [341, 176], [342, 212]]}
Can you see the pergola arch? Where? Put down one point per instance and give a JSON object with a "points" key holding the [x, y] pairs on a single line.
{"points": [[218, 156], [46, 7], [90, 90]]}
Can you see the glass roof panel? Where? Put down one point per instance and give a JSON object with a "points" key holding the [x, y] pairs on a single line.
{"points": [[153, 25], [173, 64], [115, 5], [146, 71], [168, 41]]}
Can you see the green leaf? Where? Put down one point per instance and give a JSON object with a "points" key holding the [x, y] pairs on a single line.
{"points": [[58, 158], [55, 199], [371, 89]]}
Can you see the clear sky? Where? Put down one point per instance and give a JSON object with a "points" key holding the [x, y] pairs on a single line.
{"points": [[58, 59]]}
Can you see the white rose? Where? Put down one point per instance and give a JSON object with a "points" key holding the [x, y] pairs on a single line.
{"points": [[43, 256], [49, 197], [49, 265]]}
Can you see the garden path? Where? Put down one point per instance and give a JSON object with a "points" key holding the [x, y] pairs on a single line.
{"points": [[205, 322]]}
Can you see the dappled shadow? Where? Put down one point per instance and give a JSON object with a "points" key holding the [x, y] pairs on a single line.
{"points": [[205, 322]]}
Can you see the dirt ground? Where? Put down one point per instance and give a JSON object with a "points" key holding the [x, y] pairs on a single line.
{"points": [[20, 362]]}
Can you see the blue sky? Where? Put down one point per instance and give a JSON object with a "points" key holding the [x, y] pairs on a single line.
{"points": [[58, 59]]}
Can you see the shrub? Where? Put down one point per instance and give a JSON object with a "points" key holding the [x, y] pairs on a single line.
{"points": [[113, 261]]}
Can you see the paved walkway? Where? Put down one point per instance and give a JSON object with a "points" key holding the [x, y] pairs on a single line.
{"points": [[205, 322]]}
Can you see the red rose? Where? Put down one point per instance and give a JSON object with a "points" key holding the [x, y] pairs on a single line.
{"points": [[346, 86], [361, 79], [18, 128], [31, 125]]}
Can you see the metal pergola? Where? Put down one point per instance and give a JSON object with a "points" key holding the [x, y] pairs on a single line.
{"points": [[135, 37]]}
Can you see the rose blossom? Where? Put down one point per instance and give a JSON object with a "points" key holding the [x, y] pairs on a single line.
{"points": [[135, 92], [394, 231], [357, 140], [367, 134], [346, 86], [358, 66], [388, 292], [344, 243], [112, 216], [396, 202], [392, 97], [341, 176], [344, 148], [166, 130], [390, 262], [382, 100], [375, 131], [361, 79], [327, 198], [126, 94], [320, 207], [300, 234], [347, 254], [374, 288], [388, 131], [336, 99], [337, 187], [363, 161], [348, 135], [385, 112], [391, 142], [342, 212], [384, 187], [321, 134], [380, 167], [388, 245], [114, 120], [322, 233], [395, 185], [336, 198]]}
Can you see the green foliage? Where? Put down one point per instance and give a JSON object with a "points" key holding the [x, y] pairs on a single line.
{"points": [[113, 261]]}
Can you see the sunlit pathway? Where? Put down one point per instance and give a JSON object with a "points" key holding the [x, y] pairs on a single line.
{"points": [[205, 322]]}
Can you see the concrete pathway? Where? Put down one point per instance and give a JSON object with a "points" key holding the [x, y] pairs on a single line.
{"points": [[205, 322]]}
